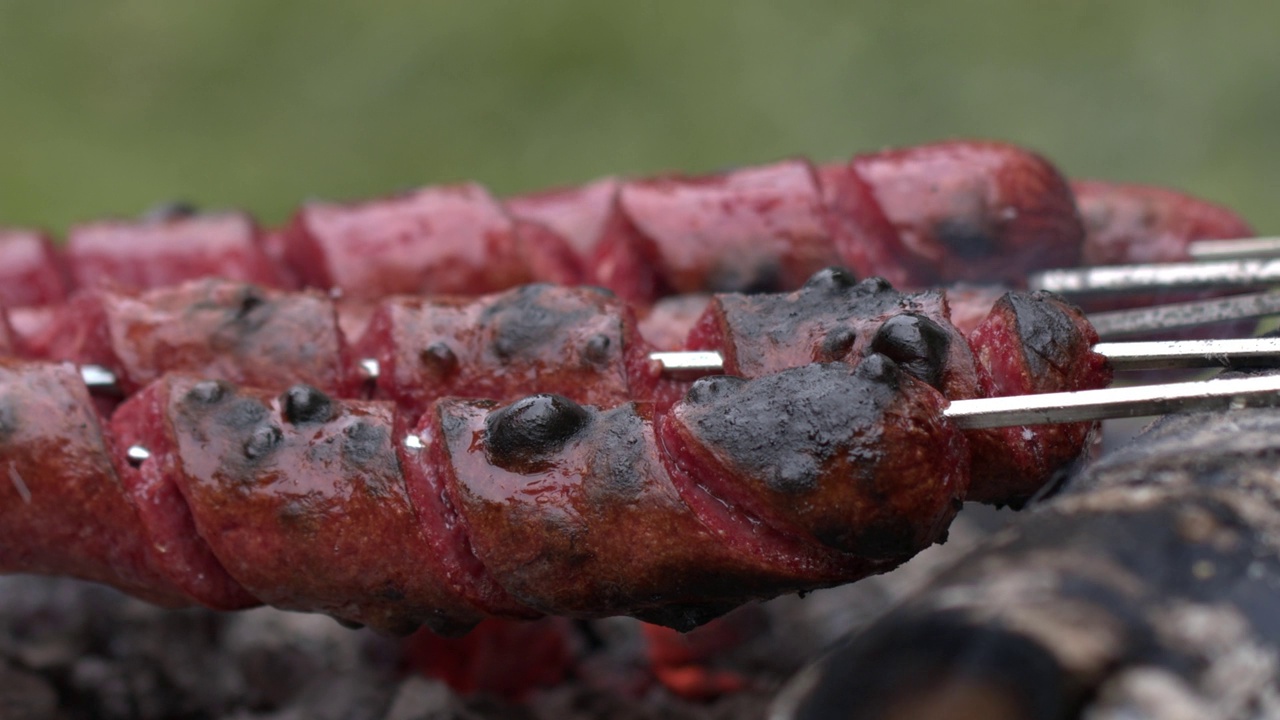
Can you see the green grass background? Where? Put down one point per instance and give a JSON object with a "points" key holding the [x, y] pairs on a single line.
{"points": [[109, 107]]}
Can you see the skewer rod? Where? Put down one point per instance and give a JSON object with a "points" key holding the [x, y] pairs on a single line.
{"points": [[1137, 401], [1189, 353], [1119, 323], [1159, 277], [1234, 249]]}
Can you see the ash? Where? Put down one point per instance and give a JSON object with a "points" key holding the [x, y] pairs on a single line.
{"points": [[71, 650]]}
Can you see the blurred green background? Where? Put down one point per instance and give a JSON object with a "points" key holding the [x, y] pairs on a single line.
{"points": [[109, 107]]}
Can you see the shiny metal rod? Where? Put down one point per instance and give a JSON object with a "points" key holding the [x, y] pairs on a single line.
{"points": [[1190, 353], [1234, 249], [1119, 323], [1137, 401], [1159, 277]]}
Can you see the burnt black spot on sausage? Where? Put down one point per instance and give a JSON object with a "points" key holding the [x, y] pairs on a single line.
{"points": [[745, 277], [836, 344], [243, 414], [451, 424], [262, 441], [8, 418], [363, 441], [209, 392], [879, 369], [597, 348], [706, 389], [875, 285], [304, 404], [1049, 337], [917, 344], [827, 300], [789, 425], [519, 436], [831, 279], [249, 314], [250, 299], [524, 320], [439, 359], [169, 211], [606, 292], [967, 239]]}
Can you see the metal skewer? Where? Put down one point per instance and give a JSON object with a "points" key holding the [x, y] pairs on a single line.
{"points": [[1137, 401], [1234, 249], [1183, 315], [1223, 274]]}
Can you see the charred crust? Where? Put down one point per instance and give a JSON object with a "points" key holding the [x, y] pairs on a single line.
{"points": [[1048, 333], [917, 344], [968, 240], [836, 344], [875, 285], [209, 392], [522, 321], [520, 436], [8, 418], [244, 414], [831, 279], [783, 433], [363, 441], [251, 299], [170, 210], [879, 369], [304, 404], [601, 290], [262, 441], [439, 358], [597, 349], [618, 454], [707, 389]]}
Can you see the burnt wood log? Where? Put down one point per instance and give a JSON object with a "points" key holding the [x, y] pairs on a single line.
{"points": [[1150, 588]]}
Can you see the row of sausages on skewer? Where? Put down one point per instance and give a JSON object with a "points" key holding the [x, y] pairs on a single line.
{"points": [[397, 512], [922, 216]]}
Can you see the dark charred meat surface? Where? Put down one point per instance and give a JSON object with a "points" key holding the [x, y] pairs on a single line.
{"points": [[228, 330], [577, 342], [822, 451], [834, 318]]}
